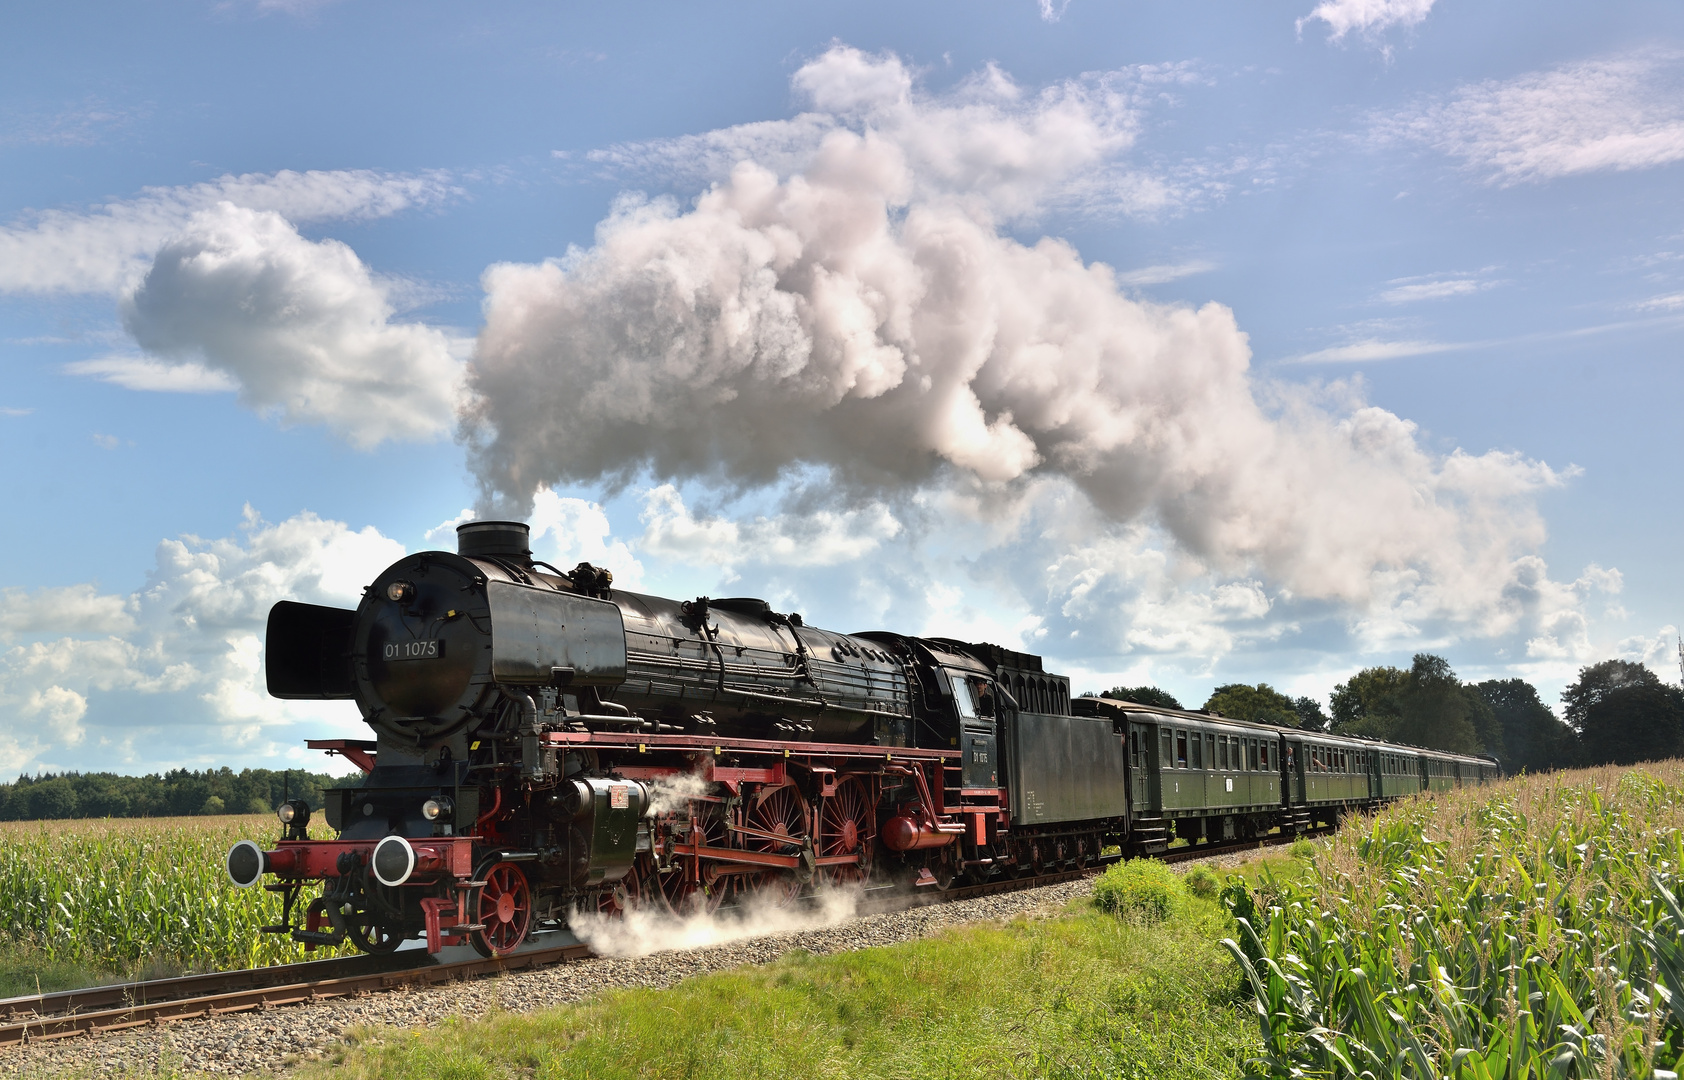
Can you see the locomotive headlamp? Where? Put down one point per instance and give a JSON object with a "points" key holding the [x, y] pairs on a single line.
{"points": [[400, 592], [294, 812], [433, 809]]}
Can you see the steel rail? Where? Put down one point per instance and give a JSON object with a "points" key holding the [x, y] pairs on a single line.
{"points": [[84, 1015], [113, 1008]]}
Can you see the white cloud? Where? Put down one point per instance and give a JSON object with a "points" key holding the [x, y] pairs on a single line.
{"points": [[71, 609], [1670, 302], [145, 373], [814, 538], [1000, 148], [1372, 349], [184, 650], [62, 709], [1052, 10], [302, 327], [106, 249], [1411, 290], [578, 531], [1164, 273], [443, 535], [1613, 113], [1368, 17]]}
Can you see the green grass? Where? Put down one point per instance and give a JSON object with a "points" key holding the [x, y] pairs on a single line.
{"points": [[1532, 929], [1082, 995]]}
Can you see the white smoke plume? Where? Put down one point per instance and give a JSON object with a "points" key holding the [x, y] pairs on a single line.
{"points": [[864, 314], [670, 793], [648, 928]]}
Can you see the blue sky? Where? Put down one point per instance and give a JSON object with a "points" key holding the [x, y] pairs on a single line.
{"points": [[1246, 341]]}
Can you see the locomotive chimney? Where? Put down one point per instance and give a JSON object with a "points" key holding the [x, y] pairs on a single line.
{"points": [[495, 539]]}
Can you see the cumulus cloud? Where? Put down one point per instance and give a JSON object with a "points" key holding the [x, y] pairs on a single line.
{"points": [[819, 538], [84, 664], [106, 249], [567, 531], [1367, 17], [1611, 113], [861, 318], [301, 327], [71, 609]]}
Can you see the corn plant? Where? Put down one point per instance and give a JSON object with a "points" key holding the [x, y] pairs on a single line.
{"points": [[1532, 929], [117, 893]]}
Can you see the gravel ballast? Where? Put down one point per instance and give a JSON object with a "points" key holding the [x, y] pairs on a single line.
{"points": [[276, 1038]]}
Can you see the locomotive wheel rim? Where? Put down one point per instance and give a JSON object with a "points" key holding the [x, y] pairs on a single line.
{"points": [[780, 811], [375, 937], [505, 907], [848, 826]]}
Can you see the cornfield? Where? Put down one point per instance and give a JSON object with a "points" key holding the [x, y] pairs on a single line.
{"points": [[117, 892], [1533, 929]]}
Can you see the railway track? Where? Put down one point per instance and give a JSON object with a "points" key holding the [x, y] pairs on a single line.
{"points": [[101, 1009]]}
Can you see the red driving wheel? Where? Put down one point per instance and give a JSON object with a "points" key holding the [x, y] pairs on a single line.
{"points": [[505, 909], [848, 826]]}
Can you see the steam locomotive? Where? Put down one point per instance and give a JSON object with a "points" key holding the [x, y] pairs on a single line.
{"points": [[546, 743]]}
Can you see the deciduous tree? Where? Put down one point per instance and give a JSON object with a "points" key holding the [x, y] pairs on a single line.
{"points": [[1534, 738], [1623, 713], [1143, 695], [1261, 704]]}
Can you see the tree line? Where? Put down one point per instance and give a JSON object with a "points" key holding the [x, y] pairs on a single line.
{"points": [[1616, 712], [177, 793]]}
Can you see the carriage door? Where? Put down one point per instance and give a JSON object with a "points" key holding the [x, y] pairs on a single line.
{"points": [[1141, 773], [1294, 767]]}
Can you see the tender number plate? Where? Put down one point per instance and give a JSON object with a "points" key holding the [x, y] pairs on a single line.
{"points": [[431, 649]]}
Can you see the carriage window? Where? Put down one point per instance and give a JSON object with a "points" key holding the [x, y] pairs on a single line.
{"points": [[1210, 751], [1263, 755], [1222, 751], [1251, 754], [1195, 759], [1181, 749]]}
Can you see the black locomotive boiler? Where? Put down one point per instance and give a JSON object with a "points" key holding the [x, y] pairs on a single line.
{"points": [[545, 742]]}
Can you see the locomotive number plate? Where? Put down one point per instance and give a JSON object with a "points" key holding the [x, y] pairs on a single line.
{"points": [[431, 649]]}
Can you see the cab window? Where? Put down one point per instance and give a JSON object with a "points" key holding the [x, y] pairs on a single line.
{"points": [[962, 697]]}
